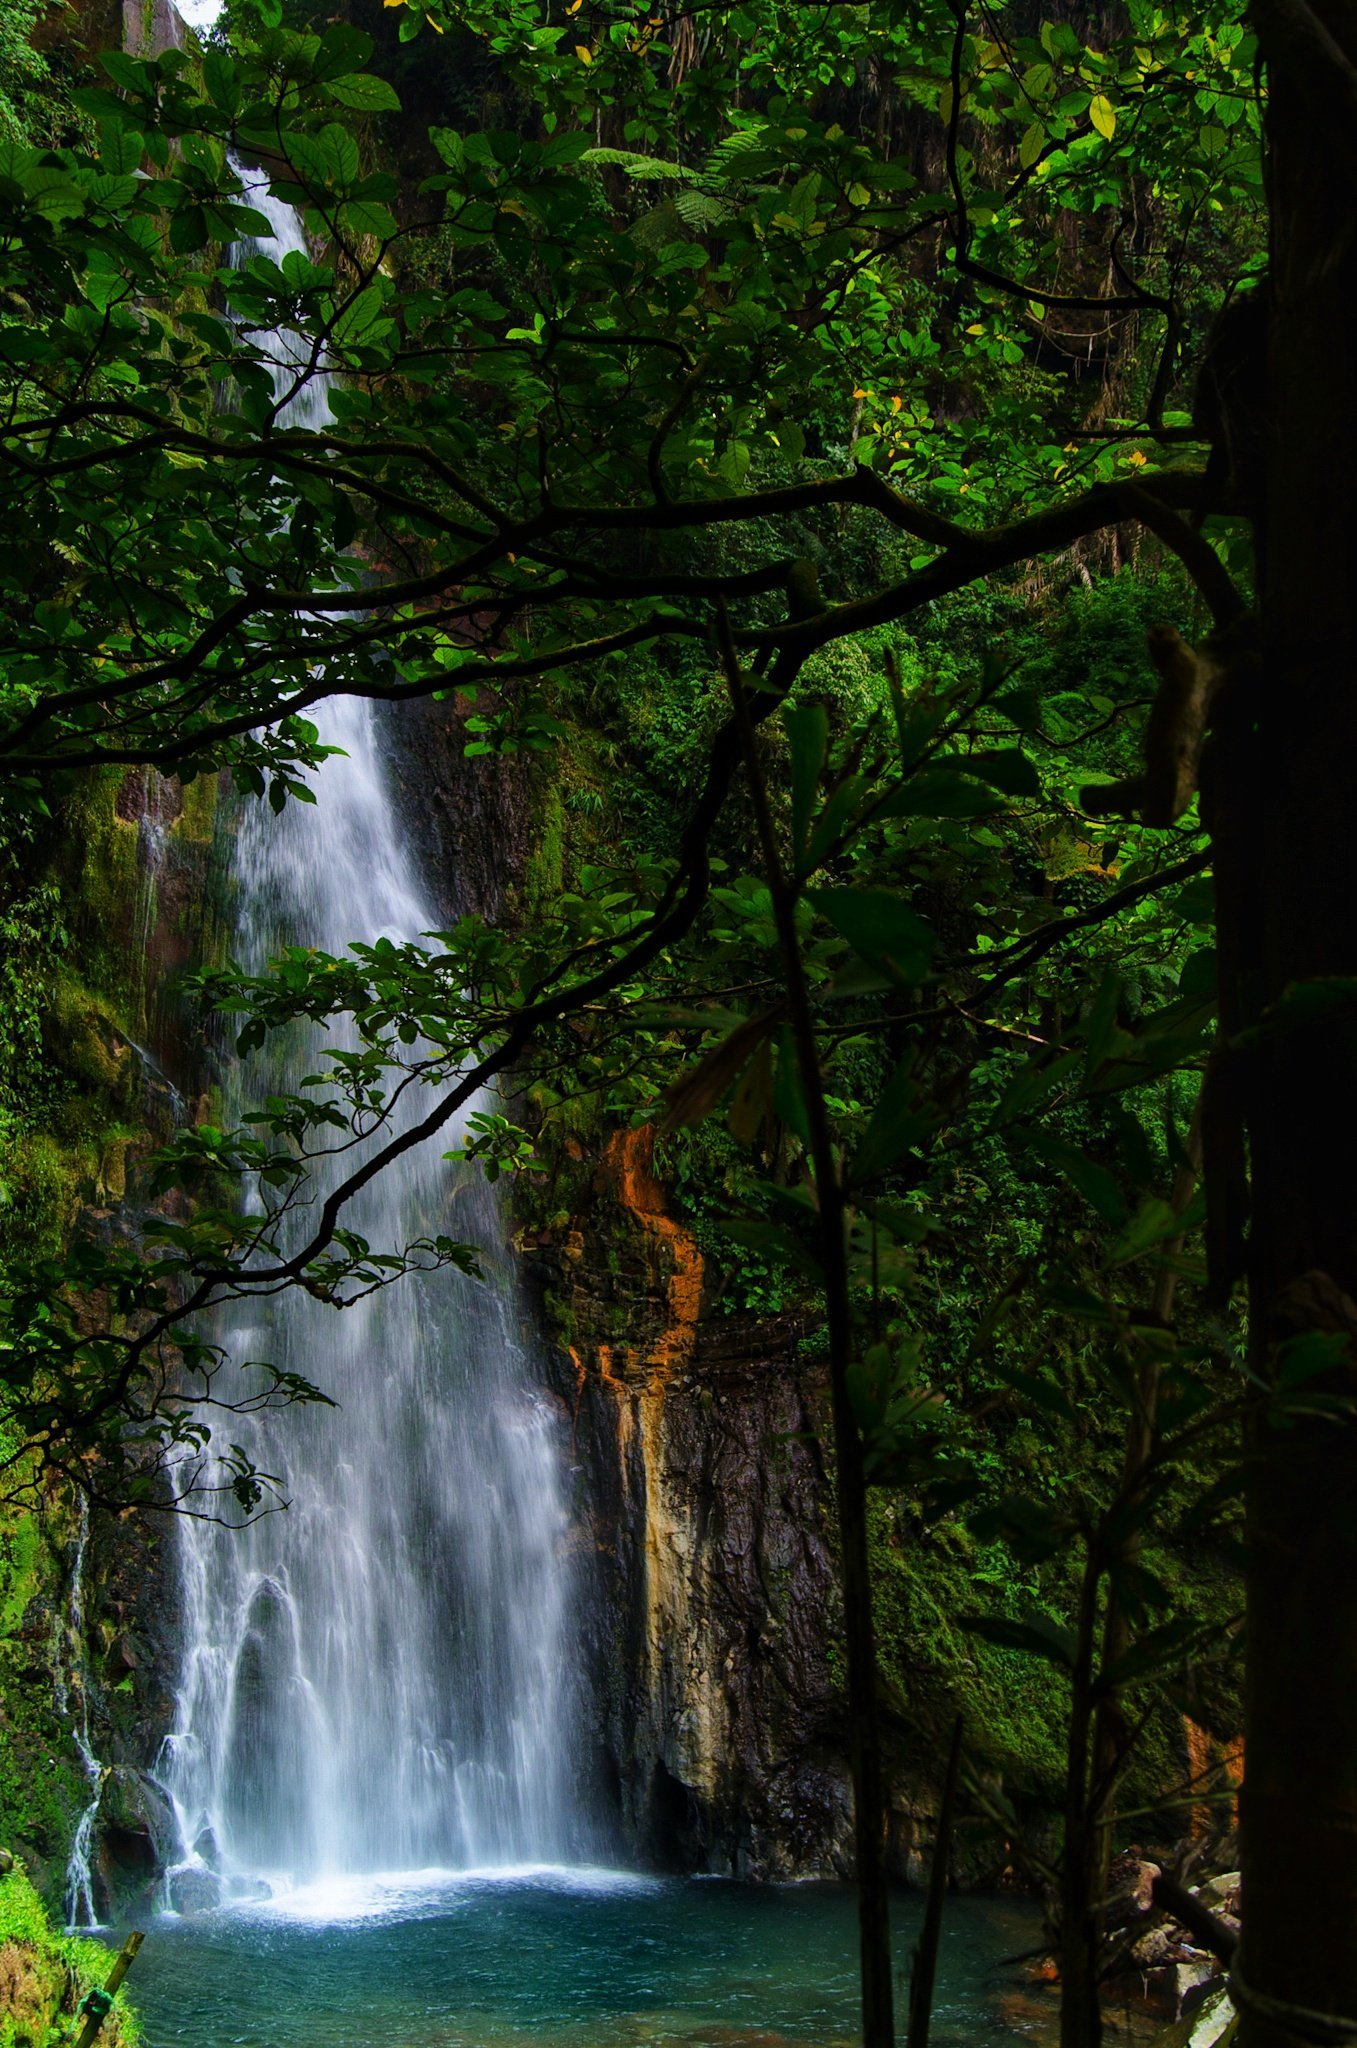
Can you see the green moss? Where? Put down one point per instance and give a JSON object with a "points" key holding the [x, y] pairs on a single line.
{"points": [[21, 1555], [544, 870], [42, 1787], [197, 821], [105, 893], [72, 1151], [70, 1107], [47, 1974], [1014, 1706]]}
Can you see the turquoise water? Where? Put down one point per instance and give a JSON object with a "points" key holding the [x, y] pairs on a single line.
{"points": [[559, 1959]]}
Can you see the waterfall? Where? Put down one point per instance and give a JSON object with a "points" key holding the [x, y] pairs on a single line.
{"points": [[79, 1887], [372, 1681]]}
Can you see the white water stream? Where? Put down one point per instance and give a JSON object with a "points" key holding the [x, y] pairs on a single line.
{"points": [[374, 1680], [70, 1656]]}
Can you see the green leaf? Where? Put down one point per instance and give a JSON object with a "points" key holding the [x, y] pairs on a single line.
{"points": [[808, 737], [695, 1094], [941, 793], [365, 94], [1006, 768], [896, 1126], [363, 320], [879, 926], [1102, 1024], [1198, 973], [1154, 1652], [342, 49], [1032, 1528], [368, 217], [774, 1242], [1037, 1387], [637, 166], [222, 80], [1040, 1637], [1103, 115], [1097, 1186], [52, 193], [1327, 999], [1036, 1083], [1021, 708], [120, 147], [1195, 902], [1154, 1221], [789, 1101], [791, 440], [701, 211], [833, 819]]}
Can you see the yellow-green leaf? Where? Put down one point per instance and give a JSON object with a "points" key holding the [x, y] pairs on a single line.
{"points": [[1031, 146], [1103, 114]]}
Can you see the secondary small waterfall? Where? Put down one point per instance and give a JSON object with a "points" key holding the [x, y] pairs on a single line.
{"points": [[70, 1656], [373, 1680]]}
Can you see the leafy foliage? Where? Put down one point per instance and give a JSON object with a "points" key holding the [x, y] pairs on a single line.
{"points": [[798, 369]]}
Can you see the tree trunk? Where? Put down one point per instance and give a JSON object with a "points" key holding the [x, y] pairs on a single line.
{"points": [[1081, 2023], [855, 1571], [1299, 1805]]}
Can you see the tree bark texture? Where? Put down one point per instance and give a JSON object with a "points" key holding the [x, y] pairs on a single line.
{"points": [[1293, 918]]}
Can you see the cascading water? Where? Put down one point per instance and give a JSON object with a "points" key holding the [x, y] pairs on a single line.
{"points": [[373, 1680], [79, 1890]]}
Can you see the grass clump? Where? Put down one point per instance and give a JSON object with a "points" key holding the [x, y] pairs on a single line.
{"points": [[44, 1975]]}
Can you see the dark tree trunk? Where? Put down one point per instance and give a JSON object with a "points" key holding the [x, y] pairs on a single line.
{"points": [[869, 1789], [1299, 923]]}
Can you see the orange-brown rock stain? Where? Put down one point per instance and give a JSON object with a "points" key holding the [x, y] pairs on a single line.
{"points": [[636, 1370], [629, 1165], [1212, 1765]]}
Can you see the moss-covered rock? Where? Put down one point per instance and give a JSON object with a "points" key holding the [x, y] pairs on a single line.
{"points": [[42, 1787], [100, 904]]}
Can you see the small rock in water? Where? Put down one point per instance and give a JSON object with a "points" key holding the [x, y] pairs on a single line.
{"points": [[245, 1891]]}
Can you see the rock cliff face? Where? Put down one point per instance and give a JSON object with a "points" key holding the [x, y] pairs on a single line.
{"points": [[162, 846], [703, 1505]]}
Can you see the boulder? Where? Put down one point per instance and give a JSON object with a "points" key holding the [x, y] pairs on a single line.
{"points": [[1220, 1892], [1130, 1890], [1213, 2024], [191, 1889], [1196, 1980], [1216, 2023], [1156, 1947], [136, 1826]]}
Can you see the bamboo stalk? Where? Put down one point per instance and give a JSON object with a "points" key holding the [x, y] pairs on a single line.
{"points": [[926, 1954], [96, 2005], [869, 1799]]}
